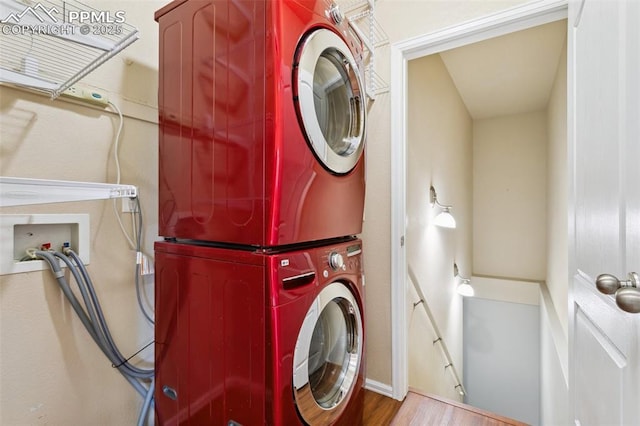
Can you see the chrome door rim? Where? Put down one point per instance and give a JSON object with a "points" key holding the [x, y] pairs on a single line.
{"points": [[310, 410], [320, 43]]}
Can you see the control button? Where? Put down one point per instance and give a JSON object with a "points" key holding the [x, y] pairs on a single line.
{"points": [[336, 261], [325, 273], [335, 14]]}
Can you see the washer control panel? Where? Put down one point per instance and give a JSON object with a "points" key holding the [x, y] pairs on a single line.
{"points": [[335, 260]]}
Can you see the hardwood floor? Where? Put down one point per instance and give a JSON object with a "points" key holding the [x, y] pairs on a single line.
{"points": [[379, 410], [426, 410]]}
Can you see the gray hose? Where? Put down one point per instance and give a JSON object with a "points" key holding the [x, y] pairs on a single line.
{"points": [[139, 296], [92, 317], [117, 358], [148, 400], [100, 341], [131, 374], [139, 250], [62, 282], [98, 324]]}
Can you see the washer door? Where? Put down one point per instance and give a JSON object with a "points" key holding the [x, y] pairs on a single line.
{"points": [[329, 98], [327, 355]]}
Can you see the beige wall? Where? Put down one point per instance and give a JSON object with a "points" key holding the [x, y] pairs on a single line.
{"points": [[401, 19], [51, 372], [558, 194], [439, 153], [509, 196], [554, 319]]}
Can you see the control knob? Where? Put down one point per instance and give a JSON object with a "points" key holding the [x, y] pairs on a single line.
{"points": [[336, 261], [335, 14]]}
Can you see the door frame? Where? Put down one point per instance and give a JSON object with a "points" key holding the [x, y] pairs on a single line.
{"points": [[511, 20]]}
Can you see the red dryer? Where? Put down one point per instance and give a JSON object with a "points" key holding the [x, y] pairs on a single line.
{"points": [[262, 122], [250, 338]]}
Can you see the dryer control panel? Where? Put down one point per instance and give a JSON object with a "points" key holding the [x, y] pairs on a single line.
{"points": [[343, 258], [296, 273]]}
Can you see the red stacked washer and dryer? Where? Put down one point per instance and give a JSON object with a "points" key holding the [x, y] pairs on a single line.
{"points": [[259, 279]]}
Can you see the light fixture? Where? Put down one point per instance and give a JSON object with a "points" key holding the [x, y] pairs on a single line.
{"points": [[444, 219], [464, 288]]}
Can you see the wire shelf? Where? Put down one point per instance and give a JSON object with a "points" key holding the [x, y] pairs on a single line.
{"points": [[361, 17], [369, 28], [375, 84], [352, 6], [51, 44]]}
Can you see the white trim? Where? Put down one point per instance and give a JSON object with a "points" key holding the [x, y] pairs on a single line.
{"points": [[515, 19], [574, 19], [378, 387], [399, 339]]}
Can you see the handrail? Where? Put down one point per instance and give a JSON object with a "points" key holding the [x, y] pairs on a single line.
{"points": [[443, 346]]}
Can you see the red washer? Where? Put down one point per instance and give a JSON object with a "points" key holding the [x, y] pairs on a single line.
{"points": [[262, 122], [248, 338]]}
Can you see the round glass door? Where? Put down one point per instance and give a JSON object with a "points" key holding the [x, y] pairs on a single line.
{"points": [[327, 355], [329, 97]]}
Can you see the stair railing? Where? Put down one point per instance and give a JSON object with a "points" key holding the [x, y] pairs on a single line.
{"points": [[438, 340]]}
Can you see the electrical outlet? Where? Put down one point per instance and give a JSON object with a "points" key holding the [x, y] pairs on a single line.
{"points": [[129, 205], [87, 95]]}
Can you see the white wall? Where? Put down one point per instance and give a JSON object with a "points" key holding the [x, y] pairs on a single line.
{"points": [[554, 395], [439, 154], [51, 372], [558, 194], [502, 355], [502, 358], [509, 196]]}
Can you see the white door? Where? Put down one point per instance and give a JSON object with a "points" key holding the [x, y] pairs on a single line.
{"points": [[605, 340]]}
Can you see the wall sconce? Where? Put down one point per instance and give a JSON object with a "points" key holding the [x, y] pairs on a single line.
{"points": [[464, 288], [444, 219]]}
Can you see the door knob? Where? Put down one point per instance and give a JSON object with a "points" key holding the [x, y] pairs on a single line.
{"points": [[609, 284], [628, 299], [627, 292]]}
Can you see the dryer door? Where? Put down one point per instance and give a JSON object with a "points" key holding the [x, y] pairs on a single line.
{"points": [[329, 97], [327, 355]]}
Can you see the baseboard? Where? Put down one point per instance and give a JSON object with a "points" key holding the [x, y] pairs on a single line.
{"points": [[377, 387]]}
